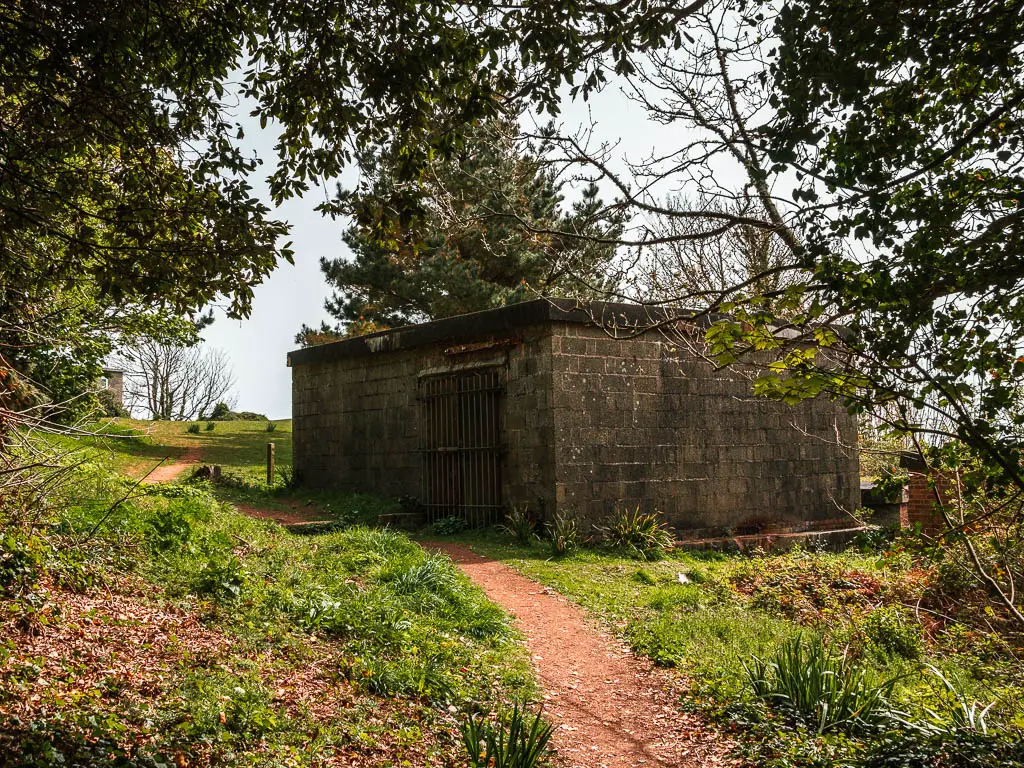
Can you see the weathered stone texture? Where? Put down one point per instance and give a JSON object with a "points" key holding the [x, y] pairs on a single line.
{"points": [[639, 424], [588, 423], [113, 382], [357, 420]]}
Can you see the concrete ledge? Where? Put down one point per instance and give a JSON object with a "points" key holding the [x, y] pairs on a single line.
{"points": [[500, 322], [833, 540]]}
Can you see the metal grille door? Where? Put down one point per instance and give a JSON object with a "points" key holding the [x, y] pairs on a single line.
{"points": [[461, 446]]}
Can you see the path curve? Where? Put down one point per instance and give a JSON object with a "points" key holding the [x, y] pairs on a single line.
{"points": [[613, 710], [293, 513], [170, 470]]}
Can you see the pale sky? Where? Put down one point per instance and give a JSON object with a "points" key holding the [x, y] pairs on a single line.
{"points": [[294, 295]]}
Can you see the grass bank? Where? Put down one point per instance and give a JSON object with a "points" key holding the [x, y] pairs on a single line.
{"points": [[171, 630], [711, 615], [132, 447]]}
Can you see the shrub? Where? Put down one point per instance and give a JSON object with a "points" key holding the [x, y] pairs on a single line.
{"points": [[220, 412], [247, 416], [271, 426], [193, 429], [223, 412], [109, 406], [514, 741], [520, 524], [565, 534], [891, 632], [210, 426], [171, 526], [449, 526], [819, 689], [222, 579], [637, 534]]}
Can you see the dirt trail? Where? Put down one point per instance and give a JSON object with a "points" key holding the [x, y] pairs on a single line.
{"points": [[613, 710], [169, 470], [294, 513]]}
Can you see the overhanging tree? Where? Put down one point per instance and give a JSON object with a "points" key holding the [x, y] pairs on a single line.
{"points": [[123, 169], [881, 142], [907, 123]]}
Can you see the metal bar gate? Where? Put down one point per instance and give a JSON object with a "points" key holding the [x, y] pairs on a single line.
{"points": [[461, 446]]}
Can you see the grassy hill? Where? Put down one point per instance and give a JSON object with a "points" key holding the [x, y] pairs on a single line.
{"points": [[132, 447], [158, 626]]}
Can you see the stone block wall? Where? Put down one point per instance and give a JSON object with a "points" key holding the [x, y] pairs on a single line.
{"points": [[639, 424], [354, 423], [528, 424], [588, 423], [357, 420]]}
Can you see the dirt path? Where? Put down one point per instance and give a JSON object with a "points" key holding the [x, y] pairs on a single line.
{"points": [[295, 513], [613, 710], [170, 470]]}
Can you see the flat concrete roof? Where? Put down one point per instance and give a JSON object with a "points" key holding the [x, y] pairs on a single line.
{"points": [[479, 326]]}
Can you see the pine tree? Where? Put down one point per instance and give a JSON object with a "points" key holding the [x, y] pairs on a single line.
{"points": [[493, 233]]}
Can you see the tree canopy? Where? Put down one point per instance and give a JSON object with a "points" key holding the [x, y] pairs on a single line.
{"points": [[904, 123], [495, 231], [126, 195]]}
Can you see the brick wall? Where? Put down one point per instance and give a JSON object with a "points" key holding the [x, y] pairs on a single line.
{"points": [[639, 424], [921, 502]]}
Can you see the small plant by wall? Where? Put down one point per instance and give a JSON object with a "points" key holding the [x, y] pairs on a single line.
{"points": [[637, 534], [520, 524], [565, 534]]}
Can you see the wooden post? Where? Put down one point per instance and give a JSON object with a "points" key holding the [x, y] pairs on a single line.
{"points": [[270, 464]]}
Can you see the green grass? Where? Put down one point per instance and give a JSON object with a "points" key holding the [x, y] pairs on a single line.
{"points": [[732, 609], [410, 629], [399, 634], [400, 640], [132, 447]]}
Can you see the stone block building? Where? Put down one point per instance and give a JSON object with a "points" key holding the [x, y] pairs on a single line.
{"points": [[536, 405], [112, 381]]}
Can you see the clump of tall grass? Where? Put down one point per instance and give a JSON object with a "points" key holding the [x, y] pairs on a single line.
{"points": [[512, 741], [564, 534], [520, 524], [820, 689], [637, 534]]}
